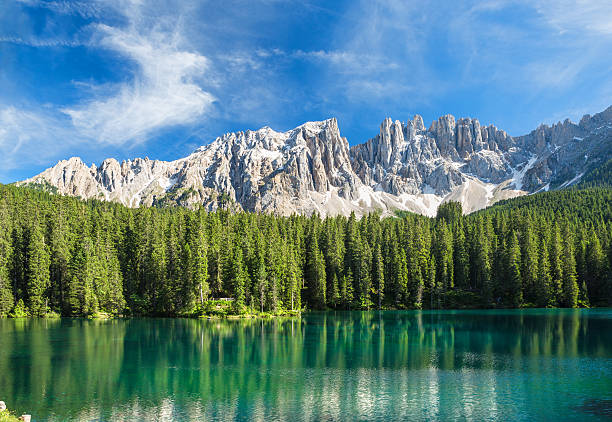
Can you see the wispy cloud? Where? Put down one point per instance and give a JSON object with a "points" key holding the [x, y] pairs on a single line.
{"points": [[86, 9], [158, 67], [41, 42], [162, 93], [161, 79], [583, 16], [30, 136]]}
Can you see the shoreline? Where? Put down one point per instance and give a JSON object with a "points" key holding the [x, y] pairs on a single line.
{"points": [[283, 314], [107, 317], [8, 416]]}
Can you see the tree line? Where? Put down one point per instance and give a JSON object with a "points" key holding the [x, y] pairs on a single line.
{"points": [[75, 258]]}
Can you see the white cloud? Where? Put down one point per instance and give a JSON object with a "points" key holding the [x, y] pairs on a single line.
{"points": [[30, 136], [350, 62], [555, 74], [41, 42], [86, 9], [162, 93], [160, 86], [583, 16]]}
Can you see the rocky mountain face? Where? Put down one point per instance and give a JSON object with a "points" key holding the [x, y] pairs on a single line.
{"points": [[312, 169]]}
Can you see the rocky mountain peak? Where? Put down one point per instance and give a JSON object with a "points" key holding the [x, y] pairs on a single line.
{"points": [[311, 168], [417, 123]]}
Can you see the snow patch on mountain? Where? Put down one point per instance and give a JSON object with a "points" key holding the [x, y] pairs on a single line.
{"points": [[311, 168]]}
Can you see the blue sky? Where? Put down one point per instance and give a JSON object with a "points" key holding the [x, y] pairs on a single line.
{"points": [[128, 78]]}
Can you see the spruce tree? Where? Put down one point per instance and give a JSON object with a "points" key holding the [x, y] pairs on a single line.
{"points": [[78, 257], [569, 280], [60, 257], [6, 293], [513, 272], [481, 268], [595, 273], [240, 280], [293, 282], [556, 270], [444, 257], [200, 267], [261, 282], [7, 299], [315, 272], [37, 271], [378, 275], [401, 274], [529, 262], [81, 296], [460, 259], [543, 291]]}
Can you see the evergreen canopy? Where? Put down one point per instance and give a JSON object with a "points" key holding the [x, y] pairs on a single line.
{"points": [[78, 257]]}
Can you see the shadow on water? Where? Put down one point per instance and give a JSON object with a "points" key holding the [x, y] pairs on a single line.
{"points": [[601, 407], [494, 365]]}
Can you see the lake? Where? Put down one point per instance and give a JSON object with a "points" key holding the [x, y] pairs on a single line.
{"points": [[531, 365]]}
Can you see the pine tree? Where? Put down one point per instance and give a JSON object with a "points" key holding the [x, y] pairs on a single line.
{"points": [[414, 296], [378, 275], [59, 253], [115, 302], [60, 256], [444, 257], [481, 268], [460, 259], [434, 292], [556, 270], [38, 271], [450, 211], [315, 272], [187, 290], [543, 291], [7, 299], [401, 274], [416, 284], [156, 270], [6, 293], [514, 279], [215, 254], [81, 297], [261, 281], [174, 271], [595, 274], [293, 282], [200, 267], [568, 265], [276, 268], [346, 289], [240, 280], [529, 261]]}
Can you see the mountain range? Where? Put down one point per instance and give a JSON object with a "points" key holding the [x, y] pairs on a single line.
{"points": [[312, 168]]}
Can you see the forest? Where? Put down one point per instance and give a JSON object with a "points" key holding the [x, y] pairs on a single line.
{"points": [[64, 256]]}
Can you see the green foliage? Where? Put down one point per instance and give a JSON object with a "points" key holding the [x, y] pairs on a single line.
{"points": [[513, 273], [599, 176], [38, 263], [7, 416], [450, 211], [19, 311], [61, 255]]}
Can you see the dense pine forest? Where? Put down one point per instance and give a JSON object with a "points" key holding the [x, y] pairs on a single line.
{"points": [[61, 255]]}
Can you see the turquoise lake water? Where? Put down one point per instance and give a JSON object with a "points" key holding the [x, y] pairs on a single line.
{"points": [[524, 365]]}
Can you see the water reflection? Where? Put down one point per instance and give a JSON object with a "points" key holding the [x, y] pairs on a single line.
{"points": [[494, 365]]}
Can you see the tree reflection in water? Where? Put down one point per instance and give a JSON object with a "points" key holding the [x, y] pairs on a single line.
{"points": [[328, 365]]}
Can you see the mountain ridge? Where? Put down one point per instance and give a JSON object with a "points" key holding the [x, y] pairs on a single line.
{"points": [[312, 168]]}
